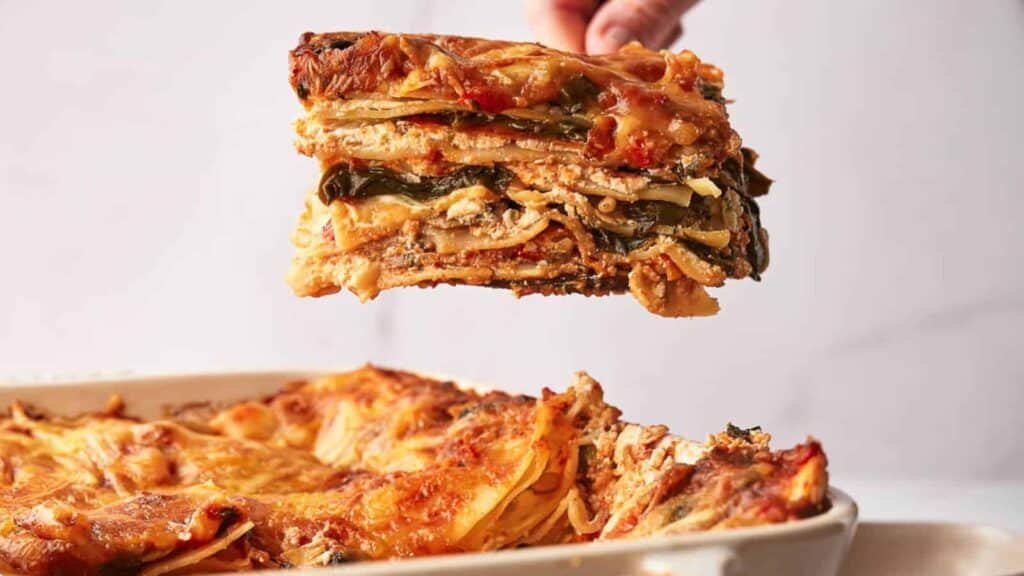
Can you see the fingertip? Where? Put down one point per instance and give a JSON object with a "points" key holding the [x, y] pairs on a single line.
{"points": [[670, 38], [608, 40], [560, 24], [654, 23]]}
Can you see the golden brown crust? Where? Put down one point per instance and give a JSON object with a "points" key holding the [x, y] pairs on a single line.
{"points": [[647, 108], [370, 464]]}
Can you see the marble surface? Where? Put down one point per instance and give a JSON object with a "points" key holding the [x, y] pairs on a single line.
{"points": [[996, 504], [148, 186]]}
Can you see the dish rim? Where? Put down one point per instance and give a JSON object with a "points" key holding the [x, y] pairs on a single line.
{"points": [[840, 517]]}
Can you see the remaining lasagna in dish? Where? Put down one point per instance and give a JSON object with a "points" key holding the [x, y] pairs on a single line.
{"points": [[468, 161], [367, 465]]}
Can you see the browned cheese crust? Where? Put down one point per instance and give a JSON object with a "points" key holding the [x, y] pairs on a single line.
{"points": [[651, 103], [371, 464]]}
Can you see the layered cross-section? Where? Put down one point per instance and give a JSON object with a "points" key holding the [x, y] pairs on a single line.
{"points": [[468, 161]]}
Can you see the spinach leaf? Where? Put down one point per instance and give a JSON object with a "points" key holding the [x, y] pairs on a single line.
{"points": [[570, 128], [711, 92], [576, 93], [611, 242], [342, 181], [741, 433]]}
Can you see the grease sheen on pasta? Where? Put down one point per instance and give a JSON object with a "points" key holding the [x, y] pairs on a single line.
{"points": [[371, 464]]}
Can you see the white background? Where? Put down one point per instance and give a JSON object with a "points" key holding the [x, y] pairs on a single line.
{"points": [[148, 186]]}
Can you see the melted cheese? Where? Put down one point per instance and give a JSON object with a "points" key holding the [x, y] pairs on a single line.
{"points": [[386, 141], [704, 187], [378, 109], [371, 464], [470, 239], [653, 99], [356, 223], [426, 243]]}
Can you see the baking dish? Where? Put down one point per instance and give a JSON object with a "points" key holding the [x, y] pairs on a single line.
{"points": [[812, 547]]}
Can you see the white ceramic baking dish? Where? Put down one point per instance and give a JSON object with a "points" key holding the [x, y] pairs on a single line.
{"points": [[811, 547]]}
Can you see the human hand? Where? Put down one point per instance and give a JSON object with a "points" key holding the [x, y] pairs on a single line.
{"points": [[599, 26]]}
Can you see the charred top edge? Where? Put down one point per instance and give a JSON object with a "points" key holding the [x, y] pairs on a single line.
{"points": [[328, 65]]}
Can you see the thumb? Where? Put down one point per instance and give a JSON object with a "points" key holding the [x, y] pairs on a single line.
{"points": [[654, 23]]}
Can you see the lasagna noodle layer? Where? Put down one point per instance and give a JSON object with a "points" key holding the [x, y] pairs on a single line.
{"points": [[644, 107], [371, 464], [475, 217], [416, 138], [432, 150], [387, 242], [481, 481]]}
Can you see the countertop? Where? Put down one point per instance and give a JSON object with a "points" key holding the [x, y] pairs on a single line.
{"points": [[997, 504]]}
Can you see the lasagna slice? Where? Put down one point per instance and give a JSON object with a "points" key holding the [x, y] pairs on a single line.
{"points": [[367, 465], [468, 161]]}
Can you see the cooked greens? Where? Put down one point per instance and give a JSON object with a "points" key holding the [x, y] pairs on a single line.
{"points": [[343, 181], [346, 182], [741, 433], [569, 127], [650, 213], [576, 94]]}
